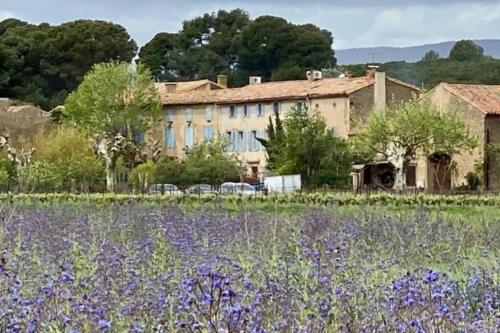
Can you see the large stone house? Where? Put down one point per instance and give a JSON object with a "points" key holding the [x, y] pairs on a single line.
{"points": [[203, 110], [479, 107]]}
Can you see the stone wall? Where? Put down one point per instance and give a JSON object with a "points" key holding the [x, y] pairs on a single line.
{"points": [[493, 130]]}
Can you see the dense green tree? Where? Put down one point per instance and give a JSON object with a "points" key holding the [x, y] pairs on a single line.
{"points": [[202, 49], [113, 102], [161, 54], [400, 132], [430, 56], [306, 146], [42, 64], [272, 45], [230, 43], [465, 50]]}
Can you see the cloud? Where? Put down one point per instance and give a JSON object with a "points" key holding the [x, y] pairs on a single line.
{"points": [[354, 23]]}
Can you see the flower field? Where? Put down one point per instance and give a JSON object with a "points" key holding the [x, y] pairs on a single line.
{"points": [[130, 266]]}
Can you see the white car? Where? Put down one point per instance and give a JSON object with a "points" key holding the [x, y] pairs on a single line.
{"points": [[237, 188], [166, 189], [200, 189]]}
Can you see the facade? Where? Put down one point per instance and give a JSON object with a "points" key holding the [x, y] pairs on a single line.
{"points": [[479, 107], [203, 111]]}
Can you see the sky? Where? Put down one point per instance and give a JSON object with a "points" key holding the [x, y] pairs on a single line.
{"points": [[354, 23]]}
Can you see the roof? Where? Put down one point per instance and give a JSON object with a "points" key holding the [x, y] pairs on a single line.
{"points": [[485, 98], [187, 86], [270, 91]]}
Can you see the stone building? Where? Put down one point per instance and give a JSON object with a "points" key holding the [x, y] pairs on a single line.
{"points": [[204, 110], [22, 122], [479, 107]]}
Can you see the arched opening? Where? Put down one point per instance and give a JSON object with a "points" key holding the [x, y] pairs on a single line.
{"points": [[440, 172]]}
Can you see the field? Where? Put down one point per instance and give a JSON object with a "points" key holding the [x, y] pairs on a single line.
{"points": [[143, 265]]}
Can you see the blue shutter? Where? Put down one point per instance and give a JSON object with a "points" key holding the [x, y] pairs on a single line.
{"points": [[245, 141], [208, 113], [138, 137], [170, 115], [189, 114], [169, 137], [208, 133], [188, 137]]}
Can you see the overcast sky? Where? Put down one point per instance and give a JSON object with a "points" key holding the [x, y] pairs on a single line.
{"points": [[354, 23]]}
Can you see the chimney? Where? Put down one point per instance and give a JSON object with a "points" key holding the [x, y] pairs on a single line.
{"points": [[309, 75], [222, 80], [171, 87], [348, 75], [372, 69], [255, 80], [379, 98]]}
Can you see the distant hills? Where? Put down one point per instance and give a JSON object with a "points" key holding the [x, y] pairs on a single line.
{"points": [[409, 54]]}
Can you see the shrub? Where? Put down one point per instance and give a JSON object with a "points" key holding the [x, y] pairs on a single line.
{"points": [[142, 176], [71, 158]]}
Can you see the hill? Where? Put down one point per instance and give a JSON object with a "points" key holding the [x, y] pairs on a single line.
{"points": [[409, 54]]}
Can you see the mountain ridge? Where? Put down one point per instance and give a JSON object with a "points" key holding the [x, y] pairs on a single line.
{"points": [[383, 54]]}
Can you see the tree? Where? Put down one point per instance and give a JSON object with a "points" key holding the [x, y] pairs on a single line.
{"points": [[113, 102], [202, 49], [270, 44], [70, 156], [305, 145], [230, 43], [42, 64], [430, 56], [208, 163], [401, 132], [466, 50]]}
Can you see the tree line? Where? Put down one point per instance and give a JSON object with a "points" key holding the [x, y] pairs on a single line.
{"points": [[42, 64], [466, 63]]}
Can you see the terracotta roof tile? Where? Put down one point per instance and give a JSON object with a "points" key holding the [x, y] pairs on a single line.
{"points": [[278, 90], [485, 98]]}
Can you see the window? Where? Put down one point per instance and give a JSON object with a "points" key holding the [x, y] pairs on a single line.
{"points": [[208, 113], [138, 137], [169, 137], [276, 107], [208, 133], [188, 136], [170, 115], [246, 112], [232, 111], [260, 110], [301, 106], [189, 114]]}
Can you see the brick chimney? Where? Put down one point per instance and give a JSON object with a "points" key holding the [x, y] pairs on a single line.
{"points": [[222, 80]]}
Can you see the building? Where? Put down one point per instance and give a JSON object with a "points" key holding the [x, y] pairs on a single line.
{"points": [[479, 107], [22, 122], [203, 110]]}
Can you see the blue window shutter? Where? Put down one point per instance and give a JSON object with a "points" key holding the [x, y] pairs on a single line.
{"points": [[208, 133], [189, 114], [233, 141], [208, 113], [170, 115], [245, 141], [169, 137], [138, 137], [188, 137]]}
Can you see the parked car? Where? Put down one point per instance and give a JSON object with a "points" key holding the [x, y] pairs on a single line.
{"points": [[166, 189], [200, 189], [237, 188]]}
